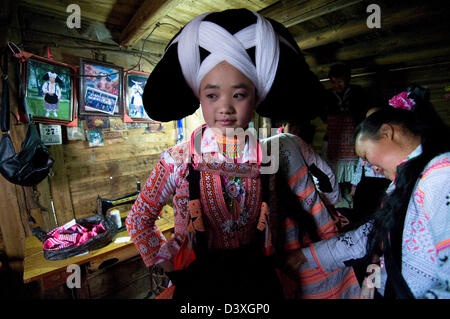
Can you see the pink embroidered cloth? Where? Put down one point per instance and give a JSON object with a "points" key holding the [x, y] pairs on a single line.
{"points": [[71, 234]]}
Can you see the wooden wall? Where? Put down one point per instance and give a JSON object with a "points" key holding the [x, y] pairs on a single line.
{"points": [[80, 172]]}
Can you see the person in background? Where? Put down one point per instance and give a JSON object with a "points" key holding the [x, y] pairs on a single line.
{"points": [[409, 235], [303, 129], [346, 107]]}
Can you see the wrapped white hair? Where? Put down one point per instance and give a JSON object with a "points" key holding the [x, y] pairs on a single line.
{"points": [[231, 48]]}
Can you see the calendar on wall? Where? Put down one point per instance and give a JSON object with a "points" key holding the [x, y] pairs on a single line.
{"points": [[50, 134]]}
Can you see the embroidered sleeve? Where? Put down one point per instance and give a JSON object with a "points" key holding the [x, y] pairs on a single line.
{"points": [[330, 254], [434, 188], [311, 157], [140, 222], [302, 184]]}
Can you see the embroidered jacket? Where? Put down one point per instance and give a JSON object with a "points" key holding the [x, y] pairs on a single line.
{"points": [[425, 242], [169, 177], [341, 283]]}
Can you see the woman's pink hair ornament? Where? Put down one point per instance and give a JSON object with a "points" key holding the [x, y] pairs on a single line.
{"points": [[402, 101]]}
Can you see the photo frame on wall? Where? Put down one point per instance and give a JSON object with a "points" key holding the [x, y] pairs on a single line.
{"points": [[101, 86], [133, 89], [50, 91]]}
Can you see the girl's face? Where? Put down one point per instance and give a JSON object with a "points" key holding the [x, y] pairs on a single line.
{"points": [[228, 98], [383, 153]]}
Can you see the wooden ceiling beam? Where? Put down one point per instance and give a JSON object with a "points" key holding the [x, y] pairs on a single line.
{"points": [[409, 57], [90, 10], [356, 27], [433, 36], [293, 12], [146, 17]]}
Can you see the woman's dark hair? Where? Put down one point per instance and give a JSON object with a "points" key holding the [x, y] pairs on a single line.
{"points": [[389, 218]]}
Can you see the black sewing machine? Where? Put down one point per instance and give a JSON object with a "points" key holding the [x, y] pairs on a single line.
{"points": [[103, 205]]}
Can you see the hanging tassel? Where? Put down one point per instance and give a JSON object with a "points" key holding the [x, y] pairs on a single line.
{"points": [[49, 55]]}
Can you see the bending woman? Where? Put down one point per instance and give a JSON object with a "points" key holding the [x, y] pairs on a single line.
{"points": [[411, 232]]}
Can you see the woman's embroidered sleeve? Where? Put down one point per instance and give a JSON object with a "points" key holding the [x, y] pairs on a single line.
{"points": [[330, 254], [435, 193], [140, 222]]}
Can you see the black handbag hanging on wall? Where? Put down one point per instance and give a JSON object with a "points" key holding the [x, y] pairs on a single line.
{"points": [[32, 164]]}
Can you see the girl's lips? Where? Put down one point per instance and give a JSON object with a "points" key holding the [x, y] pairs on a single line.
{"points": [[226, 122]]}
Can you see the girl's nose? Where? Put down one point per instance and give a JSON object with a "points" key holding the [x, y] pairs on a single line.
{"points": [[226, 106]]}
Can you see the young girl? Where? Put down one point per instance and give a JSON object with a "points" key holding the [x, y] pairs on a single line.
{"points": [[225, 243], [52, 93], [411, 231]]}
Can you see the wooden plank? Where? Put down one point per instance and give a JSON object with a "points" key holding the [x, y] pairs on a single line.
{"points": [[355, 27], [118, 277], [21, 193], [397, 42], [293, 12], [123, 166], [13, 232], [119, 256], [59, 185], [105, 11], [44, 199], [145, 18]]}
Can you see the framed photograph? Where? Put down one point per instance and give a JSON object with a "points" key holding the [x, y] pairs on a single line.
{"points": [[49, 90], [134, 88], [100, 89]]}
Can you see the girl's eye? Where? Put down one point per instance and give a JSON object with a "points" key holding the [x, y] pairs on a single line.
{"points": [[211, 96], [239, 95]]}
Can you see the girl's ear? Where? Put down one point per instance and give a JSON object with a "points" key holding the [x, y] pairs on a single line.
{"points": [[386, 131]]}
